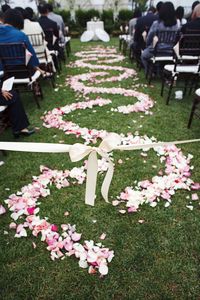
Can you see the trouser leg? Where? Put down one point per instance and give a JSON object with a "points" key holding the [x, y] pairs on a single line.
{"points": [[17, 115], [145, 56]]}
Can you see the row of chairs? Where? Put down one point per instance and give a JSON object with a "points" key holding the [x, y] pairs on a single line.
{"points": [[180, 64], [25, 79]]}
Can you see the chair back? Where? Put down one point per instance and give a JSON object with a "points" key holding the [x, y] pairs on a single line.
{"points": [[36, 39], [13, 60], [39, 44], [189, 45], [165, 42]]}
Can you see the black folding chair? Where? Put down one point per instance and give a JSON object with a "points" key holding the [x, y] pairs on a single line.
{"points": [[53, 45], [195, 111], [161, 55], [13, 57], [186, 66]]}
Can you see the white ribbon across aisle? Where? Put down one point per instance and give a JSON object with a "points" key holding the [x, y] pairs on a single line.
{"points": [[79, 151]]}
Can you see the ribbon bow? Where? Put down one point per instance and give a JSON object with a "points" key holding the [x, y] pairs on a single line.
{"points": [[78, 151]]}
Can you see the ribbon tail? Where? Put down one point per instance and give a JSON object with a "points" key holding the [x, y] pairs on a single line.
{"points": [[107, 181], [91, 181]]}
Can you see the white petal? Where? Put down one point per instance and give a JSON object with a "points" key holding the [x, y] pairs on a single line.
{"points": [[103, 270]]}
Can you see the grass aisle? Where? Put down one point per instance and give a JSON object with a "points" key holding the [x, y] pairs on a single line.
{"points": [[158, 259]]}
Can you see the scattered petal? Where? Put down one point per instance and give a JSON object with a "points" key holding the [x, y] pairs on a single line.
{"points": [[122, 211], [2, 210], [103, 270], [115, 202], [195, 197], [190, 207], [141, 221], [102, 236]]}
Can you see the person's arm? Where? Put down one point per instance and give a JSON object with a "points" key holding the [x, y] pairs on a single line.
{"points": [[56, 30], [137, 32], [62, 26], [151, 34], [6, 95]]}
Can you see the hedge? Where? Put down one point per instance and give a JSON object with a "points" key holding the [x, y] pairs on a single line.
{"points": [[83, 16]]}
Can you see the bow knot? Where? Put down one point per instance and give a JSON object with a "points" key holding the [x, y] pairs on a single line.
{"points": [[79, 151]]}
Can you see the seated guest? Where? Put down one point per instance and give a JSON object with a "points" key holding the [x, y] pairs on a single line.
{"points": [[167, 22], [137, 14], [195, 3], [180, 16], [17, 115], [142, 26], [58, 19], [10, 33], [158, 7], [194, 24], [30, 13], [48, 25], [32, 28], [5, 7]]}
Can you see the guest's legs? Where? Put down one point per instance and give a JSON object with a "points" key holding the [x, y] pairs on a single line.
{"points": [[145, 56], [17, 113]]}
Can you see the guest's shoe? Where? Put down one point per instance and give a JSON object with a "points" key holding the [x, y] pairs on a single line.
{"points": [[28, 132]]}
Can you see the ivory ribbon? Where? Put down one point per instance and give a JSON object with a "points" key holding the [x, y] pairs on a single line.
{"points": [[79, 151]]}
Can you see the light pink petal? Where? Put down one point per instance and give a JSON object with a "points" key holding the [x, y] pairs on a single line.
{"points": [[195, 197], [2, 210], [103, 270], [102, 236]]}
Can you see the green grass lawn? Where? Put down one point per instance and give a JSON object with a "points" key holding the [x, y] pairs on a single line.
{"points": [[159, 259]]}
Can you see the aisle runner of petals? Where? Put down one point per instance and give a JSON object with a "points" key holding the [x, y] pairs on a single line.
{"points": [[104, 57], [54, 118], [24, 205]]}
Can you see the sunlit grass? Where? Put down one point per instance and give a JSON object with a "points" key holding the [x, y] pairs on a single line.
{"points": [[155, 260]]}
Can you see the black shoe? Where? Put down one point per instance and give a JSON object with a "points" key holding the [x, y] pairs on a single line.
{"points": [[17, 134]]}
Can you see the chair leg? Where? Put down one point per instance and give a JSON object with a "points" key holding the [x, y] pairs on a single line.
{"points": [[162, 86], [37, 92], [150, 73], [4, 153], [120, 44], [69, 47], [194, 106], [170, 91], [185, 87], [53, 81]]}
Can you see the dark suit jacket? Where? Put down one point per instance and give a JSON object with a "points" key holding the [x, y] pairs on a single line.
{"points": [[48, 24], [50, 29], [192, 25], [143, 23]]}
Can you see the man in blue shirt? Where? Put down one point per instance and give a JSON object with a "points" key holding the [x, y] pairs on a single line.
{"points": [[10, 33]]}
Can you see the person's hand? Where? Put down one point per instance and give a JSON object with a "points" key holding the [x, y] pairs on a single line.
{"points": [[6, 95], [40, 70]]}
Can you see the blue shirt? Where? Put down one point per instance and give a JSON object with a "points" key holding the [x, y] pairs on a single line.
{"points": [[9, 34]]}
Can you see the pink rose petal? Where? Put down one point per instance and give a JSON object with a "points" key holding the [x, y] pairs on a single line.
{"points": [[195, 197], [12, 225], [102, 236], [2, 210]]}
